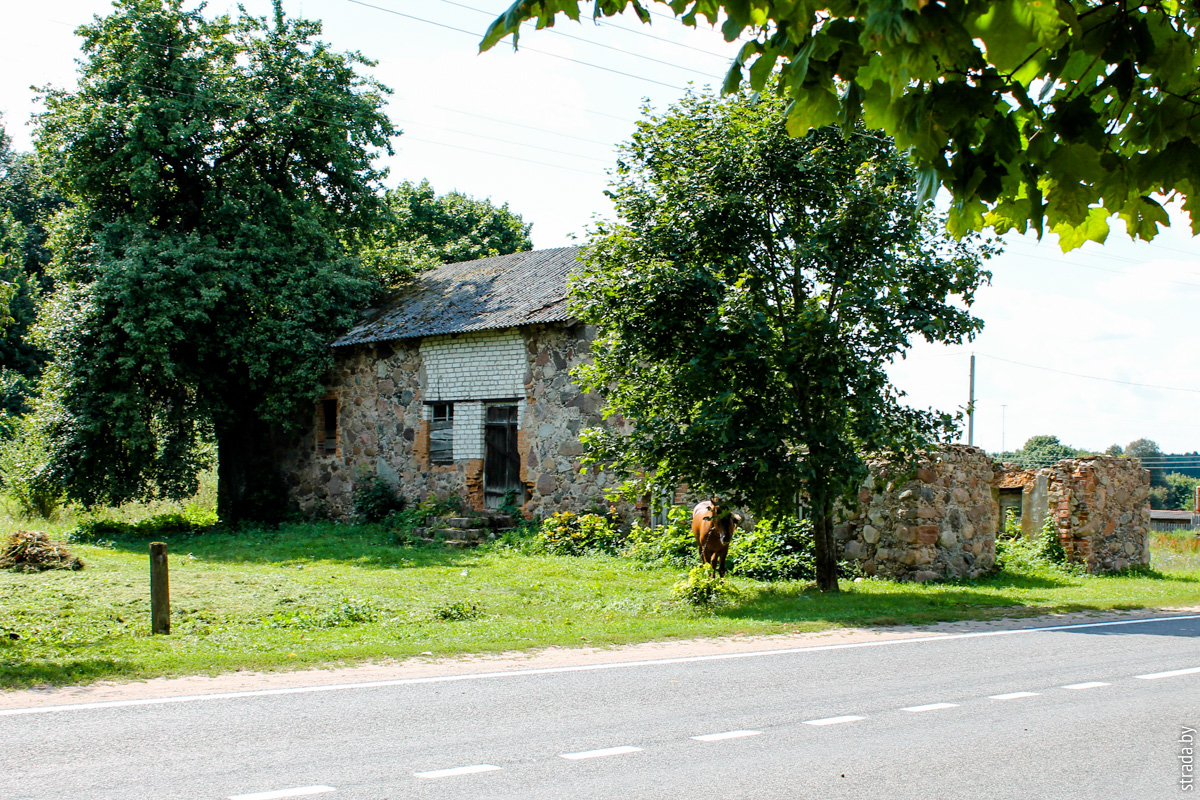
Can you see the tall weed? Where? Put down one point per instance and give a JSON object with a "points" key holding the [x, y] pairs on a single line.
{"points": [[26, 472]]}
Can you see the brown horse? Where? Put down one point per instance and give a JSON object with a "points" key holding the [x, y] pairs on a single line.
{"points": [[713, 528]]}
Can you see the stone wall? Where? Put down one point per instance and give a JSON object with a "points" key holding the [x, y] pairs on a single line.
{"points": [[932, 520], [1101, 508], [939, 518], [384, 394]]}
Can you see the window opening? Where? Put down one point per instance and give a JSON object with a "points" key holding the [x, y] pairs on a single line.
{"points": [[441, 434], [329, 414]]}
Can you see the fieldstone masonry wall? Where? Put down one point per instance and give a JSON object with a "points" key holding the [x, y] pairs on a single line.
{"points": [[940, 519], [1101, 508], [384, 395], [934, 521]]}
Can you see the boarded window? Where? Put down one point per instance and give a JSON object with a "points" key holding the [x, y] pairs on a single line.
{"points": [[329, 414], [441, 434]]}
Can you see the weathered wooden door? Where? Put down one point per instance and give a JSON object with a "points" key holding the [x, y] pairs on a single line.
{"points": [[502, 462]]}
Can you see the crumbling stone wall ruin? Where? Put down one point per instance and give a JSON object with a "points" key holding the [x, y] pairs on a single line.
{"points": [[939, 519], [926, 522], [1101, 508]]}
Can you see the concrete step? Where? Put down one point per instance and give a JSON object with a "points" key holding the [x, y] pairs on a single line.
{"points": [[470, 536], [492, 522]]}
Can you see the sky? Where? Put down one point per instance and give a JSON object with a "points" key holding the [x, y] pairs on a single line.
{"points": [[1098, 347]]}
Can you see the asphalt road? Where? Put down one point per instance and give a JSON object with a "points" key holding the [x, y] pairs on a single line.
{"points": [[1083, 711]]}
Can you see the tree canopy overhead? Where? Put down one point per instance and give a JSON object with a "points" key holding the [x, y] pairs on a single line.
{"points": [[749, 299], [215, 167], [1034, 115], [420, 229]]}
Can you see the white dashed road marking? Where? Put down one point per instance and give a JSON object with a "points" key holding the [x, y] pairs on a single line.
{"points": [[1013, 695], [279, 794], [340, 687], [717, 737], [832, 720], [1088, 685], [450, 773], [1173, 673], [930, 707], [608, 751]]}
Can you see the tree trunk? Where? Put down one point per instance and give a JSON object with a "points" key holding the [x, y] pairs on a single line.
{"points": [[827, 568], [235, 452], [249, 486]]}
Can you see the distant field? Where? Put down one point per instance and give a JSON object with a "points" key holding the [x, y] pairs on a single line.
{"points": [[319, 594], [1175, 552]]}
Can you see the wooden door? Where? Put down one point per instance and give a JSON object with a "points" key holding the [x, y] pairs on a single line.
{"points": [[502, 462]]}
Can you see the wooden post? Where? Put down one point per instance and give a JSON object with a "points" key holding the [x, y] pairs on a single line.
{"points": [[160, 589]]}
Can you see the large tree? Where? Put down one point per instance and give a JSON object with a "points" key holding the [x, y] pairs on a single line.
{"points": [[1051, 114], [1152, 458], [26, 204], [421, 229], [215, 167], [749, 299]]}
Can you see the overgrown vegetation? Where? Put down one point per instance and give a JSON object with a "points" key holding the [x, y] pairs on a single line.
{"points": [[1040, 554], [570, 534], [100, 528], [374, 499], [1177, 551], [704, 588], [26, 474], [319, 594], [775, 550]]}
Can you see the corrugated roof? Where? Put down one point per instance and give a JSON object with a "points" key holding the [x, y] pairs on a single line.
{"points": [[498, 292]]}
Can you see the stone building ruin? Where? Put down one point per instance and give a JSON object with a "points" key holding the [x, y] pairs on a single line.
{"points": [[939, 519], [460, 387]]}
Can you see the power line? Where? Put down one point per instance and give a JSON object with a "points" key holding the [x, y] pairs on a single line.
{"points": [[1091, 377], [542, 148], [1101, 269], [402, 138], [501, 155], [478, 36], [1090, 254], [522, 125], [664, 39], [585, 40], [674, 18]]}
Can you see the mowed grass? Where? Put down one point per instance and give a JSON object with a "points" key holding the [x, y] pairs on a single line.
{"points": [[323, 594]]}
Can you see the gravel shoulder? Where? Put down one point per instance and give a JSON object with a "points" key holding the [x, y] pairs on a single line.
{"points": [[552, 657]]}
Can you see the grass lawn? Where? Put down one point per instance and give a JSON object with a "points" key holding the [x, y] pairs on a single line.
{"points": [[322, 594]]}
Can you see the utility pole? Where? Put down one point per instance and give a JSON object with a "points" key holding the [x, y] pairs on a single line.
{"points": [[1003, 406], [971, 406]]}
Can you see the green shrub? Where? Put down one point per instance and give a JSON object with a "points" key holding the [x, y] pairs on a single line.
{"points": [[668, 545], [403, 524], [775, 550], [704, 588], [570, 534], [457, 611], [94, 529], [342, 612], [1039, 554], [374, 499], [26, 473]]}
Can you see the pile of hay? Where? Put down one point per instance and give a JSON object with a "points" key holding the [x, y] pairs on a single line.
{"points": [[32, 551]]}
